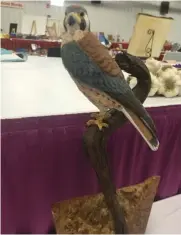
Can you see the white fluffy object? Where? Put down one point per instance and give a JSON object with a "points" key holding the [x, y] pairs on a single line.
{"points": [[167, 71], [166, 79], [153, 65], [155, 85], [170, 86], [132, 82], [179, 74]]}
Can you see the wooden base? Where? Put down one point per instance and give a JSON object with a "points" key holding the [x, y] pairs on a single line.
{"points": [[90, 215]]}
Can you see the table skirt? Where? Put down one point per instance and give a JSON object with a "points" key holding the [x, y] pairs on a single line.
{"points": [[43, 162]]}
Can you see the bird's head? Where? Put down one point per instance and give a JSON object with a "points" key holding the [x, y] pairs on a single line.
{"points": [[76, 18]]}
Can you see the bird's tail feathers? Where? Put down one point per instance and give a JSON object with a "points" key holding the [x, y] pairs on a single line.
{"points": [[145, 127]]}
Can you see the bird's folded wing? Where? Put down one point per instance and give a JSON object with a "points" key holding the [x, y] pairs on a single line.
{"points": [[99, 54]]}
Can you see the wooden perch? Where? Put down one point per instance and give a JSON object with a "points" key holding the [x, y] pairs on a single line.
{"points": [[95, 141]]}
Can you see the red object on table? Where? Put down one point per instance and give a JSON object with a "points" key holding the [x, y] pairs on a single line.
{"points": [[126, 44], [167, 47], [15, 43], [117, 44]]}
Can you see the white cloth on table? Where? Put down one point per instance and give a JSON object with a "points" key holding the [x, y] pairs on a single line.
{"points": [[42, 87]]}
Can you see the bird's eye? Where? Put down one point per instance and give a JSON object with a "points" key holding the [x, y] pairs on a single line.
{"points": [[82, 14]]}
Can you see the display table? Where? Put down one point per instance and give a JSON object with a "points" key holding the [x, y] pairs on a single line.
{"points": [[126, 44], [43, 160], [16, 43], [165, 217]]}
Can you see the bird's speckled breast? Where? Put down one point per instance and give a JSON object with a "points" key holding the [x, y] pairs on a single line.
{"points": [[80, 66], [100, 99]]}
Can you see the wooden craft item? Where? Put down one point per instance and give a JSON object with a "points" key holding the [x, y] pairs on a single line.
{"points": [[89, 214], [51, 30], [33, 28], [55, 29], [110, 37], [95, 142], [149, 35]]}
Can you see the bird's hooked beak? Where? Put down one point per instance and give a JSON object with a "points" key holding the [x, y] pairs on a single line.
{"points": [[73, 18], [76, 21]]}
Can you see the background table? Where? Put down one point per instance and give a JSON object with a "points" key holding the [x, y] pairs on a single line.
{"points": [[16, 43]]}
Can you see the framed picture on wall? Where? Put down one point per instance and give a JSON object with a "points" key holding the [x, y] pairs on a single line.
{"points": [[13, 28]]}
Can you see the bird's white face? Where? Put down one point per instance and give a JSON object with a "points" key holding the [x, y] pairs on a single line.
{"points": [[76, 21]]}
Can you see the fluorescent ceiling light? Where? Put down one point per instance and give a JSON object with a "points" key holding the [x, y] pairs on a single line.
{"points": [[58, 3]]}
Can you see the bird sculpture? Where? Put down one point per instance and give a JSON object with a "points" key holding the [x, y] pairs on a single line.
{"points": [[99, 77]]}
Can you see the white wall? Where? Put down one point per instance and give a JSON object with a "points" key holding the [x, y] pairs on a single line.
{"points": [[10, 15], [38, 8], [112, 18]]}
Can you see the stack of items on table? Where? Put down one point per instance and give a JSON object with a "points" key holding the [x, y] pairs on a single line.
{"points": [[166, 78]]}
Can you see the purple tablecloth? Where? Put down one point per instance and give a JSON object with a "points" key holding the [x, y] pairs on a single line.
{"points": [[43, 162]]}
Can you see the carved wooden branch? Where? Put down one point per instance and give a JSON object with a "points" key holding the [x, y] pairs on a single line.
{"points": [[95, 143], [95, 140]]}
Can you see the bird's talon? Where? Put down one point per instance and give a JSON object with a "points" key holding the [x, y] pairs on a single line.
{"points": [[98, 123]]}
